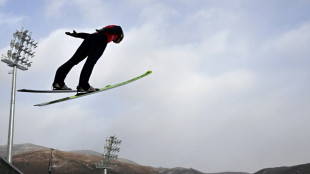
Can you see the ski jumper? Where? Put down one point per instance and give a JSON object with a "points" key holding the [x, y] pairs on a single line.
{"points": [[92, 47]]}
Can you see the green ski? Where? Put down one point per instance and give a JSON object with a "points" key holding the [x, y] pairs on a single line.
{"points": [[100, 90]]}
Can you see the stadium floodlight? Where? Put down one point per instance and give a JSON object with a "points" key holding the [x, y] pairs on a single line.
{"points": [[17, 57], [110, 150], [12, 43]]}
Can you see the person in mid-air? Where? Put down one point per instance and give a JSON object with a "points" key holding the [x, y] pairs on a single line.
{"points": [[92, 47]]}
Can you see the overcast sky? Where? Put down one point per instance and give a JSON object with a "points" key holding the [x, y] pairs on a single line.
{"points": [[229, 89]]}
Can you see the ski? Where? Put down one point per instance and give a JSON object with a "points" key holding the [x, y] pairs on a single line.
{"points": [[78, 95], [46, 91]]}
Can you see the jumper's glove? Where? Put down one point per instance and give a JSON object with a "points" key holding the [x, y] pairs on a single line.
{"points": [[73, 34]]}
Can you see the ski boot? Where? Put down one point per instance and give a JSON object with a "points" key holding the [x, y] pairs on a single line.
{"points": [[90, 89], [56, 86]]}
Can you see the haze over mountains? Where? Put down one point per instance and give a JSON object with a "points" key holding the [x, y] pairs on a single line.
{"points": [[34, 159]]}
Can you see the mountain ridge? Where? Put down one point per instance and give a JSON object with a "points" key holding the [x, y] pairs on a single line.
{"points": [[33, 159]]}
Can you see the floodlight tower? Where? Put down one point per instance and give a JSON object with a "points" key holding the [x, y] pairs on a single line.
{"points": [[110, 153], [19, 56]]}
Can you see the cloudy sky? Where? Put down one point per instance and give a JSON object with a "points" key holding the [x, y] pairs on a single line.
{"points": [[229, 89]]}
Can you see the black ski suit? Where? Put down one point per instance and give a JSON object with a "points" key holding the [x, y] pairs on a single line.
{"points": [[92, 47]]}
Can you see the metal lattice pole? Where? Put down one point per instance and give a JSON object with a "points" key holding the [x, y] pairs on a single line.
{"points": [[110, 153], [17, 57]]}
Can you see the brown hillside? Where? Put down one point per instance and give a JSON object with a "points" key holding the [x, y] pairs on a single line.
{"points": [[69, 163]]}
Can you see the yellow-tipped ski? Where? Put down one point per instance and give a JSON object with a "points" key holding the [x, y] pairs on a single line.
{"points": [[100, 90]]}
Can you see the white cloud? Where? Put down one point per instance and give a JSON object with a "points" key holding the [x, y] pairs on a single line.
{"points": [[94, 10], [2, 2], [6, 19], [220, 96], [229, 111], [291, 44], [79, 10], [55, 8]]}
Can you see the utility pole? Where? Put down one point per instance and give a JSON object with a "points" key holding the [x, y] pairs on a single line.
{"points": [[18, 57], [49, 171], [110, 153]]}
